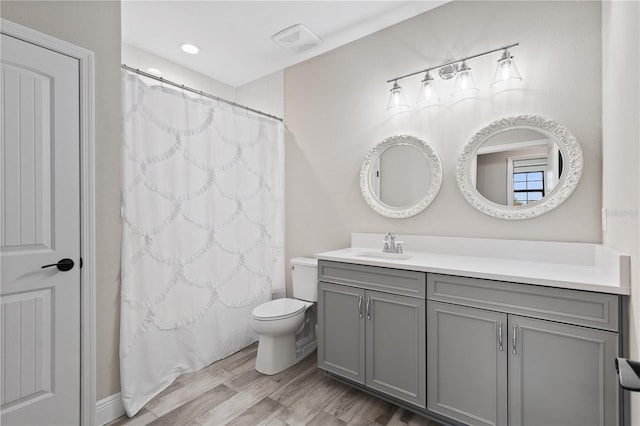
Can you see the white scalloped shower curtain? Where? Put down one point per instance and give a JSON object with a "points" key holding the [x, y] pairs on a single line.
{"points": [[202, 240]]}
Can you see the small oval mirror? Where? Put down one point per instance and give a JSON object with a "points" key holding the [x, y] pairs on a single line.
{"points": [[519, 167], [401, 176]]}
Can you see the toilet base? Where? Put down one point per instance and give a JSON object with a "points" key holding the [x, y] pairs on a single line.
{"points": [[277, 353]]}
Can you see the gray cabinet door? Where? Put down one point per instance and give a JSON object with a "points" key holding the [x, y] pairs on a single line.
{"points": [[395, 346], [561, 374], [466, 363], [341, 330]]}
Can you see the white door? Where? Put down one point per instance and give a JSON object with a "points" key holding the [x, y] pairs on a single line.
{"points": [[40, 225]]}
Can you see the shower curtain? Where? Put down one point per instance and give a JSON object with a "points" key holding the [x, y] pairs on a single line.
{"points": [[202, 239]]}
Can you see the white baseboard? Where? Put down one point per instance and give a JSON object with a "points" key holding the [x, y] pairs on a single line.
{"points": [[108, 409]]}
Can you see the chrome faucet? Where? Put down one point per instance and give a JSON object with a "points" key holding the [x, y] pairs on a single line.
{"points": [[391, 245]]}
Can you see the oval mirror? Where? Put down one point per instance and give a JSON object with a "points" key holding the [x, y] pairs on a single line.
{"points": [[519, 167], [401, 176]]}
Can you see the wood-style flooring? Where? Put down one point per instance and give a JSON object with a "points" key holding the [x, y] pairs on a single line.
{"points": [[232, 392]]}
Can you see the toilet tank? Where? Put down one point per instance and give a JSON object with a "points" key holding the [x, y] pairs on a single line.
{"points": [[304, 275]]}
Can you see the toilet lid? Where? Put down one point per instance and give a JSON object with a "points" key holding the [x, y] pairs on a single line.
{"points": [[278, 309]]}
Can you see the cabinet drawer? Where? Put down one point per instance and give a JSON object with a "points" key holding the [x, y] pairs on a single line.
{"points": [[389, 280], [597, 310]]}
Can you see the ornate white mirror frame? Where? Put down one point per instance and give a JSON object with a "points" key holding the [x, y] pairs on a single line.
{"points": [[572, 167], [434, 183]]}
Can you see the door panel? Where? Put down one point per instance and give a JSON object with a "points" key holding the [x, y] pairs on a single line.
{"points": [[396, 339], [40, 207], [561, 374], [26, 158], [467, 370], [28, 365], [341, 339]]}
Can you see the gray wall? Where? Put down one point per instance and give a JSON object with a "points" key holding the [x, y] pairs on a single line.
{"points": [[95, 25], [621, 149], [335, 112]]}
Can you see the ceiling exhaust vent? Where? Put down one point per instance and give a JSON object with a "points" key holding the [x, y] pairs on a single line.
{"points": [[296, 38]]}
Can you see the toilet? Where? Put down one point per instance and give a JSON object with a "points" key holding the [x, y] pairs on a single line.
{"points": [[287, 327]]}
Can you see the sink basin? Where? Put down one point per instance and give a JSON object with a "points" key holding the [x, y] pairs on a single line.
{"points": [[383, 255]]}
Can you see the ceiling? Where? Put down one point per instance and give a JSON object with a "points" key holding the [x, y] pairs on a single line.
{"points": [[234, 37]]}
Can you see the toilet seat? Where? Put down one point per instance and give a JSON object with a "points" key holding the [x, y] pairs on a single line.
{"points": [[279, 309]]}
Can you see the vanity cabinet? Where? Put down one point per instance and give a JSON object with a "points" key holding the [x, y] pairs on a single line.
{"points": [[467, 372], [561, 374], [341, 331], [371, 328], [472, 351], [503, 353]]}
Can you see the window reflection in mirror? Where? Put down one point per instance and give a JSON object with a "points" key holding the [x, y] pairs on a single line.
{"points": [[517, 167]]}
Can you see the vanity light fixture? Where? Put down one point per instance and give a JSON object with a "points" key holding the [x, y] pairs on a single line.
{"points": [[464, 86], [189, 48], [397, 100], [447, 72]]}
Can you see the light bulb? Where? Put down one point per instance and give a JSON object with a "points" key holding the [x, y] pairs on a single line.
{"points": [[428, 94], [465, 85], [464, 80], [506, 69]]}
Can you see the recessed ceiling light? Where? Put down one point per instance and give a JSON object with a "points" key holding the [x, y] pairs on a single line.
{"points": [[190, 48], [154, 71]]}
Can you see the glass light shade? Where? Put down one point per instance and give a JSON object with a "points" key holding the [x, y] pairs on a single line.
{"points": [[397, 101], [465, 85], [506, 73], [428, 94]]}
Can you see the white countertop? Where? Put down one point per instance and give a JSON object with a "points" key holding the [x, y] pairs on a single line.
{"points": [[590, 267]]}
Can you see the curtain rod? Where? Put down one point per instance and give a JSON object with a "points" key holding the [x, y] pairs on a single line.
{"points": [[199, 92]]}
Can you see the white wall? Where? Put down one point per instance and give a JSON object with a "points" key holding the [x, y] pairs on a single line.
{"points": [[621, 149], [335, 112]]}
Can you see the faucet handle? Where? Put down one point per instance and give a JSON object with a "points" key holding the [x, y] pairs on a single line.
{"points": [[399, 246]]}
